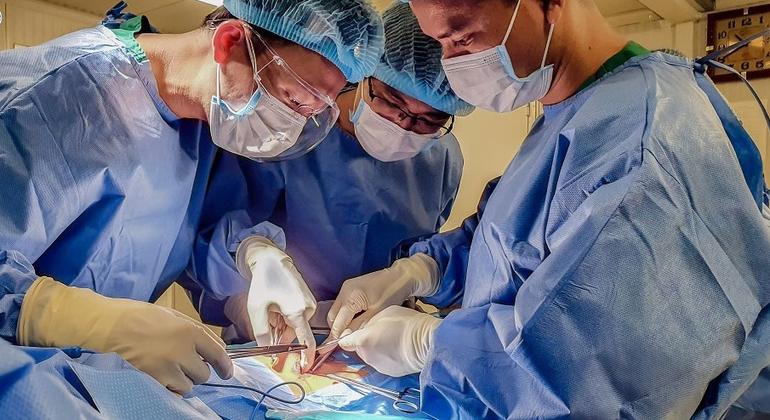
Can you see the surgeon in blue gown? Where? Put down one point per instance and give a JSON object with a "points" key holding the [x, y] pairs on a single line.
{"points": [[105, 151], [389, 170], [620, 267]]}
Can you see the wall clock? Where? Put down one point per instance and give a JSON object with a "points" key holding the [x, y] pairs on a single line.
{"points": [[730, 27]]}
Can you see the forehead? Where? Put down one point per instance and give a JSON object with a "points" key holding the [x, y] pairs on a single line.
{"points": [[313, 68], [415, 105], [441, 18]]}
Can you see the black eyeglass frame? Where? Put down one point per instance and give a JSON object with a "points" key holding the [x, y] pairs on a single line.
{"points": [[442, 130]]}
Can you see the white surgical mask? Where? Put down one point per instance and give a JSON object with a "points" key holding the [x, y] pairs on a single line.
{"points": [[265, 128], [385, 140], [487, 79]]}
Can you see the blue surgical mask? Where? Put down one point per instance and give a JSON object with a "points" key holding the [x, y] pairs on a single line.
{"points": [[487, 79]]}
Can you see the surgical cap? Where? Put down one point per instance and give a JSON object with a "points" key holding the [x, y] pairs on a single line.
{"points": [[412, 63], [347, 32]]}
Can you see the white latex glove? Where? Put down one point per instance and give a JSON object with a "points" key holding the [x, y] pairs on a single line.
{"points": [[278, 294], [396, 341], [416, 276], [167, 345]]}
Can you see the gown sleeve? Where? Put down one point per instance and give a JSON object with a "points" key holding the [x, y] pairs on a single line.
{"points": [[450, 251], [40, 199], [639, 306]]}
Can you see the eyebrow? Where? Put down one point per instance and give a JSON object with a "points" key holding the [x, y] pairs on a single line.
{"points": [[394, 94], [456, 24], [447, 34]]}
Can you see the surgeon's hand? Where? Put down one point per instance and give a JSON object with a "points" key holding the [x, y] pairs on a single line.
{"points": [[169, 346], [396, 341], [416, 276], [278, 296]]}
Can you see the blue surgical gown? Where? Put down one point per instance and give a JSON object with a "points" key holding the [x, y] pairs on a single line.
{"points": [[341, 212], [102, 183], [619, 269]]}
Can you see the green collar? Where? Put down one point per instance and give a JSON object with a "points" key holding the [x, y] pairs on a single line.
{"points": [[631, 50], [127, 32]]}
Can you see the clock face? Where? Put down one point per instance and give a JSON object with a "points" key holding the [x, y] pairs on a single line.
{"points": [[728, 30]]}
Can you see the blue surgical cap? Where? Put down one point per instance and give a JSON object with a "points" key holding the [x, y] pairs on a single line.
{"points": [[412, 63], [347, 32]]}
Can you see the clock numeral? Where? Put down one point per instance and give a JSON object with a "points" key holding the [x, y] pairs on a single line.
{"points": [[731, 24], [746, 21], [762, 19], [767, 55], [745, 65], [760, 64], [723, 35]]}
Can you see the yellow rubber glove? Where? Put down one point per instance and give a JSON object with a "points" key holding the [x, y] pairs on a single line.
{"points": [[167, 345]]}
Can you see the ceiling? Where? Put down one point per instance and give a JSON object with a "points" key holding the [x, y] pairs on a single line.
{"points": [[173, 16], [617, 7]]}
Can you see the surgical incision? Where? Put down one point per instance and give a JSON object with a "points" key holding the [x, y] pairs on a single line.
{"points": [[289, 371]]}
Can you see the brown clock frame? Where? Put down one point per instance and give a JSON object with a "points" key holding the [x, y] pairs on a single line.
{"points": [[712, 42]]}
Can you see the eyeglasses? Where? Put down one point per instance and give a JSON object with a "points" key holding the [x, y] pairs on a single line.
{"points": [[307, 111], [414, 123]]}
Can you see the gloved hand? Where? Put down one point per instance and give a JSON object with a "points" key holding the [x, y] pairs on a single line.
{"points": [[278, 294], [416, 276], [396, 341], [167, 345]]}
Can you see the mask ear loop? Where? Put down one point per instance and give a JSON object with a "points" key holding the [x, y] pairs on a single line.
{"points": [[356, 100], [219, 90], [513, 19], [547, 45]]}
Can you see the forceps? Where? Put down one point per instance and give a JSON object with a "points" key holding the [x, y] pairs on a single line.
{"points": [[239, 351], [406, 401]]}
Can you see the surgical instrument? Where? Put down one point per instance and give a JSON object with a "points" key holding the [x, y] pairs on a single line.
{"points": [[406, 401]]}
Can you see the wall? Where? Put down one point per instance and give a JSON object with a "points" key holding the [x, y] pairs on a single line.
{"points": [[30, 23], [3, 26], [488, 141]]}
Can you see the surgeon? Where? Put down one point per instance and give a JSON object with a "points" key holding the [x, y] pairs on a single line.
{"points": [[620, 267], [389, 170], [105, 151]]}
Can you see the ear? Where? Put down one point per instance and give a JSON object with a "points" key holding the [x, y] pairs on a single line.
{"points": [[555, 10], [226, 37]]}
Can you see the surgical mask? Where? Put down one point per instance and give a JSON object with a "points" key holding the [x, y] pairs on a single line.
{"points": [[266, 129], [385, 140], [487, 78]]}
